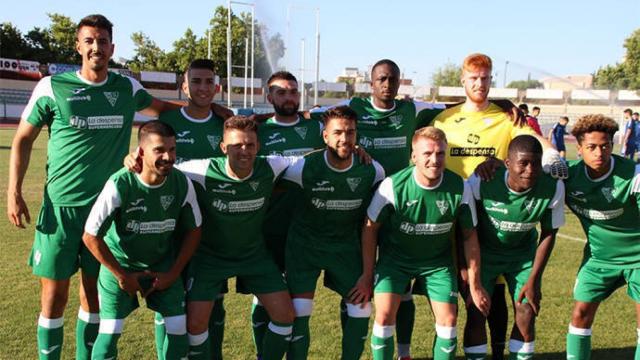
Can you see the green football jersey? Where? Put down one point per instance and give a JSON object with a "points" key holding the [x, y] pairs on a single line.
{"points": [[138, 221], [507, 219], [233, 209], [417, 220], [608, 211], [333, 202], [386, 134], [295, 139], [195, 138], [89, 131]]}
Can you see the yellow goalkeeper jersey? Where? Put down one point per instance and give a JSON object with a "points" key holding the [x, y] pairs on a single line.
{"points": [[472, 136]]}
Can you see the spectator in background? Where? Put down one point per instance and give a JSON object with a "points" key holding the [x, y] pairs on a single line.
{"points": [[557, 133], [626, 117], [631, 138], [532, 120]]}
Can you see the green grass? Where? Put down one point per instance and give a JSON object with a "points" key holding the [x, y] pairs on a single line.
{"points": [[614, 330]]}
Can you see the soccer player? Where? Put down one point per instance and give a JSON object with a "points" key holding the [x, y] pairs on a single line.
{"points": [[89, 114], [479, 133], [603, 191], [335, 186], [509, 207], [418, 206], [286, 134], [556, 135], [234, 192], [631, 138], [131, 230], [626, 116]]}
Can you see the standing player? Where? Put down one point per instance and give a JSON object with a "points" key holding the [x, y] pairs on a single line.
{"points": [[336, 187], [132, 230], [631, 138], [89, 115], [286, 134], [509, 207], [234, 191], [419, 206], [556, 135], [479, 130], [603, 191]]}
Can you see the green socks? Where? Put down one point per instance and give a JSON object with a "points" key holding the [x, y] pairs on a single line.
{"points": [[578, 343], [519, 350], [355, 331], [86, 332], [50, 335], [216, 328], [276, 340], [444, 346], [259, 322], [199, 347], [405, 319], [382, 342]]}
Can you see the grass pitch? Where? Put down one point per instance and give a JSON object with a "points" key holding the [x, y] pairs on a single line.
{"points": [[614, 335]]}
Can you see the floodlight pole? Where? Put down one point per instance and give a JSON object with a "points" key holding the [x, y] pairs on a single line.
{"points": [[315, 88], [229, 53], [504, 80], [302, 101]]}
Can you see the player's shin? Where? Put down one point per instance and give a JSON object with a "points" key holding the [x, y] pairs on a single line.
{"points": [[404, 324], [86, 333], [476, 352], [578, 343], [199, 347], [259, 322], [276, 340], [50, 335], [106, 345], [519, 350], [160, 335], [299, 347], [637, 355], [444, 346], [382, 341], [216, 327], [176, 344], [355, 330]]}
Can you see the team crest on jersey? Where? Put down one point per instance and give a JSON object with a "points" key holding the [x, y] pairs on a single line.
{"points": [[353, 183], [396, 120], [531, 204], [166, 200], [254, 185], [112, 97], [443, 206], [214, 141], [302, 131], [608, 193]]}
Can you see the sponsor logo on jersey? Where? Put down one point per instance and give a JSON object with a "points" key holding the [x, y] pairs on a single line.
{"points": [[254, 185], [79, 98], [137, 205], [214, 141], [425, 229], [443, 206], [459, 120], [183, 133], [181, 139], [397, 142], [294, 152], [222, 188], [166, 200], [512, 226], [78, 91], [472, 151], [578, 196], [410, 203], [97, 122], [238, 206], [112, 97], [151, 227], [597, 214], [340, 205], [608, 193], [366, 142], [301, 131], [353, 183], [322, 186], [473, 139], [497, 207], [275, 138]]}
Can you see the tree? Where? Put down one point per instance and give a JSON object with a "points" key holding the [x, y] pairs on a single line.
{"points": [[12, 42], [148, 55], [525, 84], [625, 75], [447, 75]]}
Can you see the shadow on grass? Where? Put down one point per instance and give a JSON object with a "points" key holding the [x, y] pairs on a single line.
{"points": [[596, 354]]}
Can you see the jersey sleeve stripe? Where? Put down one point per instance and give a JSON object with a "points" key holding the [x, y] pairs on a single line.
{"points": [[192, 201], [294, 172], [382, 197], [195, 170], [108, 201], [557, 206], [43, 89], [468, 199]]}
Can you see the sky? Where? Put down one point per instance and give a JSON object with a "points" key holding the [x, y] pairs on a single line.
{"points": [[538, 38]]}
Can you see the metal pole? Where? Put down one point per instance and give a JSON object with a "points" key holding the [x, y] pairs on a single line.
{"points": [[504, 81], [253, 48], [287, 48], [304, 92], [246, 70], [315, 87], [229, 53], [209, 43]]}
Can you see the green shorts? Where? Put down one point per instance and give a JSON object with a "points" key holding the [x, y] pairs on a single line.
{"points": [[115, 303], [342, 268], [258, 274], [594, 284], [515, 273], [58, 251], [440, 282]]}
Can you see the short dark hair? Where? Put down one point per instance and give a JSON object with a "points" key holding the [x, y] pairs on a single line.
{"points": [[535, 108], [242, 123], [280, 75], [636, 113], [524, 107], [388, 62], [155, 127], [592, 123], [627, 111], [205, 64], [526, 144], [564, 118], [96, 21], [339, 112]]}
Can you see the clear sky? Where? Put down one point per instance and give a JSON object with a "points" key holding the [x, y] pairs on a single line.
{"points": [[543, 38]]}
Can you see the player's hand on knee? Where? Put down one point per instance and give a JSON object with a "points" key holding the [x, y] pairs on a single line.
{"points": [[532, 293], [486, 169], [16, 208], [480, 299], [361, 292]]}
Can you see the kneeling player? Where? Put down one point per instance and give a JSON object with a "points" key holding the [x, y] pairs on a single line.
{"points": [[234, 192], [336, 187], [603, 191], [418, 207], [131, 231], [509, 207]]}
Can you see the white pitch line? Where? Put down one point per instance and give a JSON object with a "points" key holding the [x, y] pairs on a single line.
{"points": [[572, 238]]}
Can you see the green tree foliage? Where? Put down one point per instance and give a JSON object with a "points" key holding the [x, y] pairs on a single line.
{"points": [[447, 75], [525, 84], [625, 75]]}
